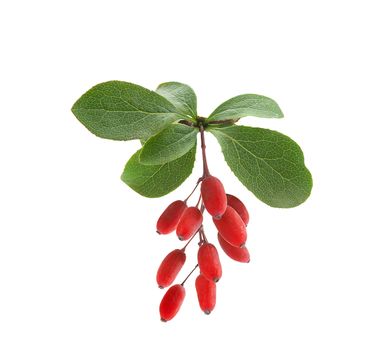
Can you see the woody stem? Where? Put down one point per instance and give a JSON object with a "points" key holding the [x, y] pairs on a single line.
{"points": [[203, 148]]}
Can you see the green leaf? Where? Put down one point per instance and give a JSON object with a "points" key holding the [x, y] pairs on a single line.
{"points": [[181, 96], [157, 180], [268, 163], [169, 144], [247, 105], [119, 110]]}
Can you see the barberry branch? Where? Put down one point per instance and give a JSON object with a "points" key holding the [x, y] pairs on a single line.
{"points": [[203, 148]]}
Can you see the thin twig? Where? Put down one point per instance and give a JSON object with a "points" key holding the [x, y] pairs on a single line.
{"points": [[203, 148]]}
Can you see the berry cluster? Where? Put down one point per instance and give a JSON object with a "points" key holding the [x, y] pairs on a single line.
{"points": [[230, 217]]}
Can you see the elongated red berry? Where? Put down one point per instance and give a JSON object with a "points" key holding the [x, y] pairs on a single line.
{"points": [[232, 228], [213, 196], [239, 207], [169, 219], [189, 223], [209, 263], [171, 302], [206, 293], [170, 267], [235, 253]]}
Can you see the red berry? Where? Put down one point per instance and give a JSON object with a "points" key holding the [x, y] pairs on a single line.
{"points": [[213, 196], [232, 228], [189, 223], [171, 302], [170, 268], [209, 263], [235, 253], [169, 219], [206, 293], [239, 207]]}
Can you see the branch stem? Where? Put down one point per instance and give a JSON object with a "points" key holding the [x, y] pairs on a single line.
{"points": [[203, 148]]}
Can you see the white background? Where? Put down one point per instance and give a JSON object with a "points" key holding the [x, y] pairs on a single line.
{"points": [[78, 248]]}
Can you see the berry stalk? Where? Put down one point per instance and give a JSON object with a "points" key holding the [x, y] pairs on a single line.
{"points": [[194, 189], [185, 280]]}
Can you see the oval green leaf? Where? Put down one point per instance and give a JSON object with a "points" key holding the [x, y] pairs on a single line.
{"points": [[246, 105], [181, 96], [157, 180], [169, 144], [268, 163], [119, 110]]}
